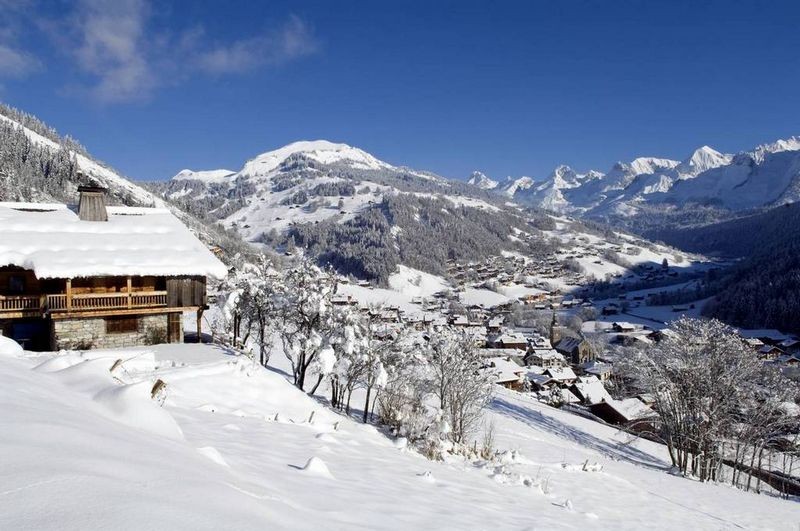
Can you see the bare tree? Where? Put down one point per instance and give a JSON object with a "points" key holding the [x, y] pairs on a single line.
{"points": [[717, 402], [462, 388]]}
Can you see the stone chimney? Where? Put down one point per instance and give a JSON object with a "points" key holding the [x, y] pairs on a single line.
{"points": [[92, 204]]}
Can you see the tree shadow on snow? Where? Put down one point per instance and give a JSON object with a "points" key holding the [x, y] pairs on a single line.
{"points": [[614, 450]]}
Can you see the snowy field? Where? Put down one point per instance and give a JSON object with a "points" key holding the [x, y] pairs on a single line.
{"points": [[235, 447]]}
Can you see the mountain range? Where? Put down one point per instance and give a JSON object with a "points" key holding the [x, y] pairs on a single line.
{"points": [[766, 176]]}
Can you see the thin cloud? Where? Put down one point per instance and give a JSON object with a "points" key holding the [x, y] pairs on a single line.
{"points": [[124, 60], [15, 62], [110, 46], [294, 40]]}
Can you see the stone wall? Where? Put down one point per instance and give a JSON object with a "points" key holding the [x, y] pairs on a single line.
{"points": [[91, 332]]}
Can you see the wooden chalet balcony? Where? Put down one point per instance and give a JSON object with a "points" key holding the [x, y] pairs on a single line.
{"points": [[85, 302], [20, 303]]}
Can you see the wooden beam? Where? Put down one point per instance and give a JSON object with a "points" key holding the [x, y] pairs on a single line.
{"points": [[199, 324], [134, 311], [69, 294], [130, 296]]}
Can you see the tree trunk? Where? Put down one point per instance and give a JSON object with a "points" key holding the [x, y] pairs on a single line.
{"points": [[319, 381], [366, 405]]}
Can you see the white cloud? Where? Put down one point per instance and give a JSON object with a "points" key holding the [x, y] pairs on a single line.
{"points": [[16, 63], [124, 60], [108, 43], [292, 41]]}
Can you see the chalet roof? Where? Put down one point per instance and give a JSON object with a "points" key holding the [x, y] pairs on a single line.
{"points": [[591, 390], [54, 243], [630, 408], [509, 338], [561, 373], [547, 354], [505, 370]]}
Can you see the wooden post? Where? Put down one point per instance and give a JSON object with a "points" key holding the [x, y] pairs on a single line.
{"points": [[69, 294], [199, 325], [130, 294]]}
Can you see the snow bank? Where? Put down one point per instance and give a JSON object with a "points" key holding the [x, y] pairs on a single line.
{"points": [[133, 406], [9, 347], [317, 467]]}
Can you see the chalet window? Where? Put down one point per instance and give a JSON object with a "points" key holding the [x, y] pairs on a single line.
{"points": [[16, 284], [120, 325]]}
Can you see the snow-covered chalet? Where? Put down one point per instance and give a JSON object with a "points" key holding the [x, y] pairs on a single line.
{"points": [[97, 276]]}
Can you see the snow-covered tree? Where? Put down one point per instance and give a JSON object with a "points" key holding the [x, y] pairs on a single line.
{"points": [[259, 288], [305, 316], [716, 400], [462, 388]]}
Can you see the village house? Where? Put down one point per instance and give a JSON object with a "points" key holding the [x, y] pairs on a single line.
{"points": [[506, 372], [577, 350], [630, 412], [96, 276], [623, 327], [753, 342], [545, 357], [513, 340], [769, 353], [790, 346], [563, 376], [590, 390], [597, 369]]}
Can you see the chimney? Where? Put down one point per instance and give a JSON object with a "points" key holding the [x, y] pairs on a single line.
{"points": [[92, 205]]}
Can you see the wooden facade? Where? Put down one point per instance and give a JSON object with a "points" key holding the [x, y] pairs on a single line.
{"points": [[28, 304]]}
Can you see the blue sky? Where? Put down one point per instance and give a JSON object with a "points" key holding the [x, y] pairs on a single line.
{"points": [[510, 88]]}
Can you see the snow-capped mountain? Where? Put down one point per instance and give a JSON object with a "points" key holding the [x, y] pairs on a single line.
{"points": [[512, 186], [550, 193], [320, 151], [306, 182], [765, 176], [768, 175], [702, 159], [480, 180], [209, 176]]}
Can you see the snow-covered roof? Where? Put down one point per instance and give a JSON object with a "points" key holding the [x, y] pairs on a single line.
{"points": [[592, 390], [547, 354], [631, 408], [505, 370], [512, 338], [55, 243], [596, 367], [561, 373]]}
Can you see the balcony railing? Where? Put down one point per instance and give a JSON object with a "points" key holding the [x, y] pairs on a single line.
{"points": [[20, 303], [83, 302]]}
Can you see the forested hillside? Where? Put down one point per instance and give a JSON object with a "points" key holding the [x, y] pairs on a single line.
{"points": [[738, 237], [420, 232], [763, 291]]}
